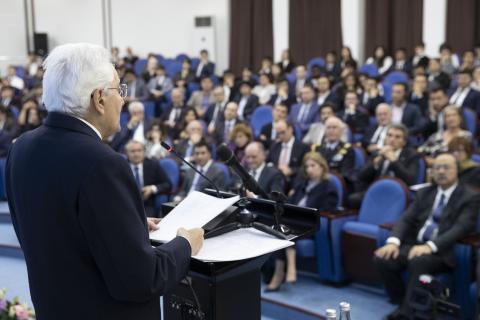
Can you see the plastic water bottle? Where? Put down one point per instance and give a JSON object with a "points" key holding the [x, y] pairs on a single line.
{"points": [[344, 311], [331, 314]]}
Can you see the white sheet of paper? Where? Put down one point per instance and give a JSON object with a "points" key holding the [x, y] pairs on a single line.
{"points": [[240, 244], [196, 210]]}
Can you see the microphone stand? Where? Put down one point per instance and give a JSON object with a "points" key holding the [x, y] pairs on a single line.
{"points": [[246, 219], [171, 150]]}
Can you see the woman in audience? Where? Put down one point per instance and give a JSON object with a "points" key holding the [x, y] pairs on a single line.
{"points": [[156, 133], [286, 63], [188, 115], [33, 120], [349, 83], [150, 69], [159, 86], [469, 170], [438, 142], [315, 190], [346, 58], [185, 75], [381, 60], [240, 136], [265, 89]]}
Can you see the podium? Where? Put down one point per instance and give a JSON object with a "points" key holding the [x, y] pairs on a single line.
{"points": [[231, 290]]}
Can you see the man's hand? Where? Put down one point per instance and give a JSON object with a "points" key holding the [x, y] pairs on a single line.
{"points": [[147, 192], [388, 251], [152, 224], [287, 172], [194, 237], [419, 250]]}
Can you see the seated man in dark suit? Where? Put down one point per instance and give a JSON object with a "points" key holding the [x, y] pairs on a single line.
{"points": [[419, 94], [371, 98], [216, 109], [324, 93], [247, 102], [173, 114], [287, 154], [303, 114], [339, 154], [438, 101], [205, 67], [268, 133], [202, 158], [283, 94], [354, 115], [269, 178], [150, 178], [136, 127], [374, 138], [465, 96], [76, 208], [422, 240], [394, 159], [436, 77], [403, 112], [137, 88], [225, 124]]}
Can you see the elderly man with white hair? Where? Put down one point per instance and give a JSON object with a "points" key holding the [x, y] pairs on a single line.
{"points": [[76, 208], [135, 129], [339, 154], [374, 138]]}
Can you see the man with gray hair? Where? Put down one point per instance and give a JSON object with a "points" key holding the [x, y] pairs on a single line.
{"points": [[135, 129], [76, 208]]}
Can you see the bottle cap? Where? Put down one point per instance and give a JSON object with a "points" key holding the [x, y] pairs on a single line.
{"points": [[331, 312], [344, 306]]}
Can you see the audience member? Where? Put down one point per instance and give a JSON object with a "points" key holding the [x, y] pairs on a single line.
{"points": [[268, 134], [203, 98]]}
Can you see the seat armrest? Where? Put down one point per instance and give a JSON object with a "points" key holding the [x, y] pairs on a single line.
{"points": [[471, 240], [387, 225], [337, 214]]}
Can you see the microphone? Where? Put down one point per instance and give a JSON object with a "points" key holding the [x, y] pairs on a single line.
{"points": [[226, 155], [171, 150]]}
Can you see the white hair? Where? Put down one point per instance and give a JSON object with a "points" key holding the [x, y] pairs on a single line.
{"points": [[72, 72], [135, 105]]}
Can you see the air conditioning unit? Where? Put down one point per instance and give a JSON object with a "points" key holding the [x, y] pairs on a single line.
{"points": [[204, 36]]}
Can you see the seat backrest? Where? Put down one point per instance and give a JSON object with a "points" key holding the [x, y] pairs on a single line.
{"points": [[340, 185], [172, 170], [385, 200], [173, 68], [226, 172], [315, 61], [149, 109], [140, 64], [260, 117], [421, 171], [470, 121], [476, 158], [3, 194], [369, 69], [360, 158]]}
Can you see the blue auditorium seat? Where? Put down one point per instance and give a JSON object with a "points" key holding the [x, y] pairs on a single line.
{"points": [[260, 117], [369, 69], [315, 61], [226, 172], [3, 194], [140, 64], [172, 170], [360, 157], [149, 109], [470, 121], [181, 56]]}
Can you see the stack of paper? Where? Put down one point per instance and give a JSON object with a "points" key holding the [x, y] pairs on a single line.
{"points": [[198, 209]]}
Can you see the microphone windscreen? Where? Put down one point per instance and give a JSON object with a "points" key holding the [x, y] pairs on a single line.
{"points": [[224, 153], [166, 146]]}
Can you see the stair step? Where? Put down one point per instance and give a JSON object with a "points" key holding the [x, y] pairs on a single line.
{"points": [[7, 235]]}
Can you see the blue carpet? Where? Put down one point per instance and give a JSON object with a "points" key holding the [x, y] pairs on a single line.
{"points": [[312, 295]]}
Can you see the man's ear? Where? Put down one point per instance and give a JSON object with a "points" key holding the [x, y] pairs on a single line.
{"points": [[97, 101]]}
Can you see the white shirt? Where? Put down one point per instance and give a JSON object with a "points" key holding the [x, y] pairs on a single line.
{"points": [[91, 126], [286, 148], [196, 177], [241, 106], [397, 113], [448, 192], [322, 97], [140, 171], [459, 96], [258, 172], [139, 133]]}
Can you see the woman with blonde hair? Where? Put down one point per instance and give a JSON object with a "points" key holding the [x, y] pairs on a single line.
{"points": [[314, 190], [240, 137]]}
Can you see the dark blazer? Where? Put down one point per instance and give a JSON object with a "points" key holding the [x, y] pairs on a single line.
{"points": [[296, 157], [121, 138], [271, 180], [367, 137], [208, 116], [341, 159], [250, 106], [470, 177], [323, 196], [267, 132], [219, 132], [442, 79], [372, 104], [458, 219], [471, 101], [412, 118], [80, 220], [153, 174], [405, 169], [357, 122], [289, 101], [141, 90], [207, 70], [214, 173], [313, 116], [5, 143], [288, 68], [422, 103]]}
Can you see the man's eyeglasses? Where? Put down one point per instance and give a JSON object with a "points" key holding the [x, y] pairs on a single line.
{"points": [[122, 90]]}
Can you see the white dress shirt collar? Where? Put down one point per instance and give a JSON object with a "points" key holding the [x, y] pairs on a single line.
{"points": [[91, 126]]}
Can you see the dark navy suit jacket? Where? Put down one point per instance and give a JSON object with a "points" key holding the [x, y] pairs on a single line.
{"points": [[80, 221]]}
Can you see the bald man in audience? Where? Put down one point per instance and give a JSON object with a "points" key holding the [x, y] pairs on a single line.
{"points": [[136, 127], [422, 240]]}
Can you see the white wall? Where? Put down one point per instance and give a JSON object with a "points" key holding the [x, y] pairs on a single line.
{"points": [[13, 44], [166, 26], [434, 25], [69, 21]]}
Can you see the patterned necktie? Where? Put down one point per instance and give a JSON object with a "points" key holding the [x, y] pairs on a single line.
{"points": [[137, 177], [437, 213]]}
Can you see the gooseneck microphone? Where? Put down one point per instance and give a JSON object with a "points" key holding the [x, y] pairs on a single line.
{"points": [[171, 150], [226, 155]]}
